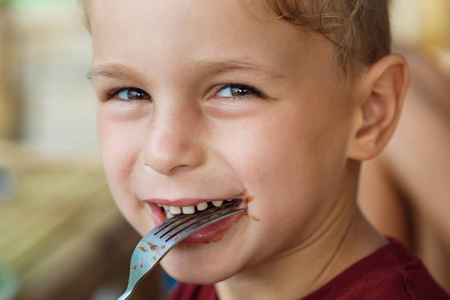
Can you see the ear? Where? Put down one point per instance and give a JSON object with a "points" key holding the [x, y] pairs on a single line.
{"points": [[384, 87]]}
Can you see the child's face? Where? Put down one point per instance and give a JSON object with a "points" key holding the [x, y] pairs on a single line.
{"points": [[228, 100]]}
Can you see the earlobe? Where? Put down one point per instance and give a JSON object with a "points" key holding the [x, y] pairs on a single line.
{"points": [[386, 83]]}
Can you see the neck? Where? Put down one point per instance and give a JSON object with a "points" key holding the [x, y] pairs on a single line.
{"points": [[344, 238]]}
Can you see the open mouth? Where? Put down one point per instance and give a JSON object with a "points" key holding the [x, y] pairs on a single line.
{"points": [[171, 211]]}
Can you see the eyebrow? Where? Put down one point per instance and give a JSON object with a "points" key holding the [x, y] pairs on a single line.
{"points": [[113, 70], [216, 68], [206, 68]]}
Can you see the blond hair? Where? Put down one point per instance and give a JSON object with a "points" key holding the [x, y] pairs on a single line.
{"points": [[359, 29]]}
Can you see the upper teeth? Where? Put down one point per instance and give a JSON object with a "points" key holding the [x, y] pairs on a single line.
{"points": [[188, 210], [202, 206], [217, 203]]}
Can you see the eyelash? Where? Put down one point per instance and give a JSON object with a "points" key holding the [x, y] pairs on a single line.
{"points": [[115, 92], [248, 90]]}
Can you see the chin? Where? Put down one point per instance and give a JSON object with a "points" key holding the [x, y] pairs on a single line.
{"points": [[196, 273]]}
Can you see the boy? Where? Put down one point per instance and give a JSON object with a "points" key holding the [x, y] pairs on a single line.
{"points": [[275, 103]]}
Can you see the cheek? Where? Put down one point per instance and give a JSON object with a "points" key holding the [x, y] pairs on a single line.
{"points": [[116, 158], [121, 142], [287, 158], [278, 150], [276, 159], [120, 153]]}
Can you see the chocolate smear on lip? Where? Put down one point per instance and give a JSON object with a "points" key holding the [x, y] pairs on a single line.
{"points": [[243, 193], [216, 239], [247, 200]]}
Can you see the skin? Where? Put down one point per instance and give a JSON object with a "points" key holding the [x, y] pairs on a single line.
{"points": [[291, 141]]}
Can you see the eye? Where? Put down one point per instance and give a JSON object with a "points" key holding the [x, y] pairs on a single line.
{"points": [[238, 91], [130, 94]]}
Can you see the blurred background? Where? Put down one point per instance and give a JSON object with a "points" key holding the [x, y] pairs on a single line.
{"points": [[61, 236]]}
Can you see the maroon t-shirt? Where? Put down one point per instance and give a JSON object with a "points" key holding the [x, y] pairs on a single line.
{"points": [[390, 273]]}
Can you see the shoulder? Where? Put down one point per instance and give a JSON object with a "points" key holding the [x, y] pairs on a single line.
{"points": [[184, 291], [389, 273], [407, 282]]}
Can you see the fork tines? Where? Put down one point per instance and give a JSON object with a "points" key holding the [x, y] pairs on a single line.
{"points": [[185, 222]]}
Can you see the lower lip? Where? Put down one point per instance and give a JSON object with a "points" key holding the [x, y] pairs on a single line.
{"points": [[210, 234]]}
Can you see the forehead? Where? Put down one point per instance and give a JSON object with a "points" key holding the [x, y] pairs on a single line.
{"points": [[180, 13], [163, 33], [147, 21]]}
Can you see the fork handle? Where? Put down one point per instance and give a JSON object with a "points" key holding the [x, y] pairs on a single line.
{"points": [[125, 295]]}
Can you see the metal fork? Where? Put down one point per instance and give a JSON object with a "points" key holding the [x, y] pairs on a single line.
{"points": [[158, 242]]}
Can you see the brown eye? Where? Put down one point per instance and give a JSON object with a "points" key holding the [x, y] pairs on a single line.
{"points": [[129, 94]]}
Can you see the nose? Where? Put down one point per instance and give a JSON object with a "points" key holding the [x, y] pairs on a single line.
{"points": [[174, 139]]}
